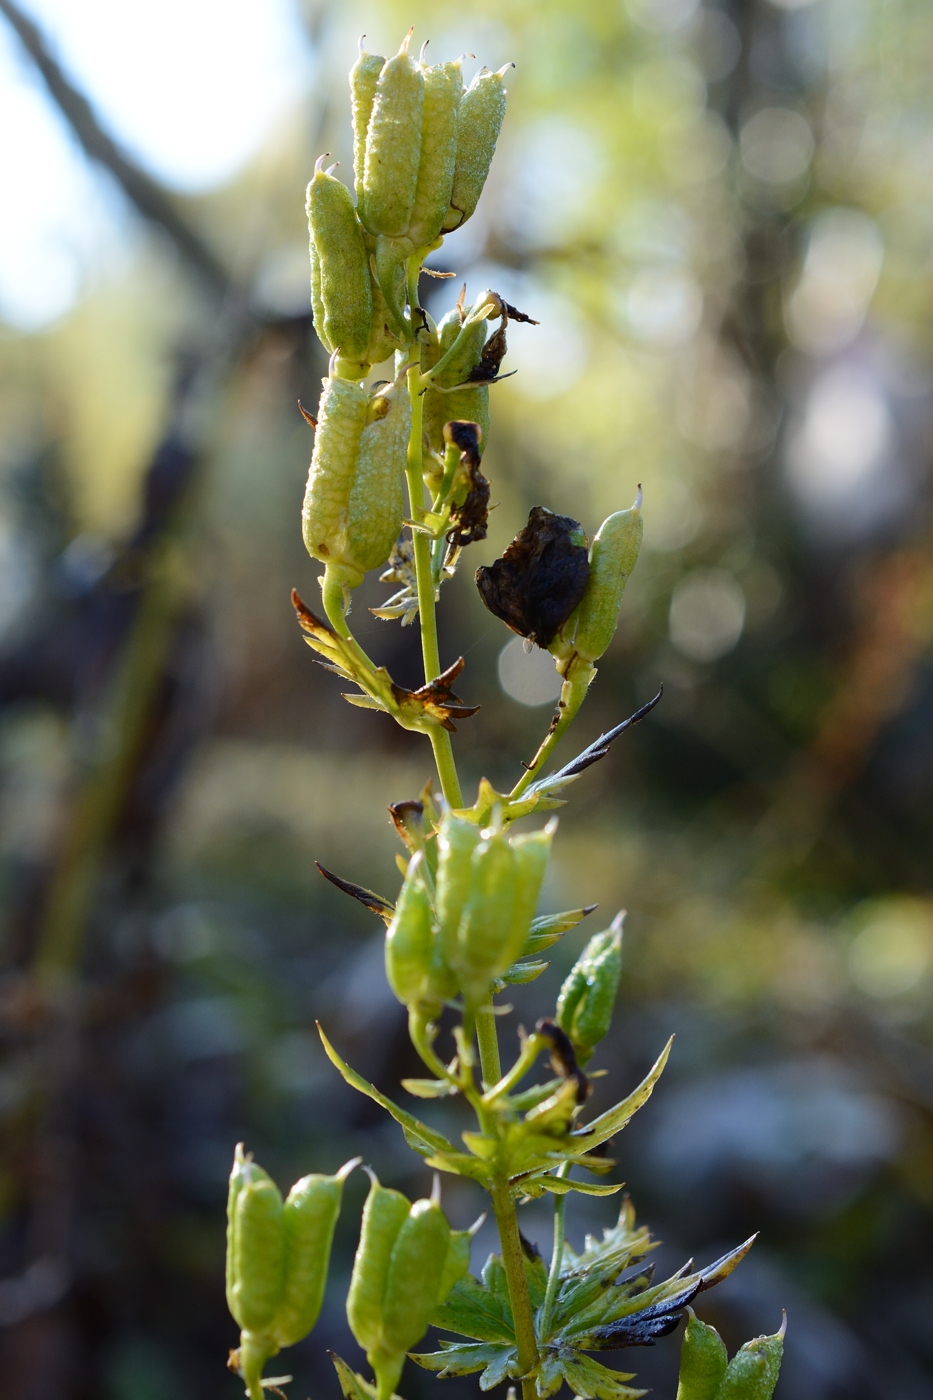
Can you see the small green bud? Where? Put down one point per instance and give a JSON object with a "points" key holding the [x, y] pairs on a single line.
{"points": [[443, 90], [342, 416], [410, 938], [364, 75], [753, 1372], [612, 558], [457, 839], [256, 1247], [486, 924], [393, 146], [703, 1359], [479, 123], [471, 403], [383, 1216], [587, 998], [309, 1217], [340, 278]]}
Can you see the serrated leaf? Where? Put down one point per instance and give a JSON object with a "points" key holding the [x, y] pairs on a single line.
{"points": [[429, 1088], [615, 1119], [592, 1381], [550, 1375], [418, 1135], [495, 1279], [500, 1369], [461, 1360], [536, 1277], [474, 1311]]}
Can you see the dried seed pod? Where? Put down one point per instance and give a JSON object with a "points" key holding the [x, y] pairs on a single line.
{"points": [[376, 501], [539, 580], [393, 146], [310, 1214], [587, 998], [703, 1361], [410, 938], [364, 75], [457, 839], [470, 403], [443, 90], [342, 415], [480, 121], [256, 1248], [612, 557], [340, 268], [487, 919], [753, 1372]]}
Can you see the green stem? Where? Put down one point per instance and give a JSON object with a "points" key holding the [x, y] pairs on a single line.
{"points": [[513, 1261], [572, 694], [557, 1258], [488, 1041], [335, 609]]}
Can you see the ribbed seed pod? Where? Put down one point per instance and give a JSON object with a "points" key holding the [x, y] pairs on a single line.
{"points": [[753, 1372], [364, 75], [257, 1250], [342, 267], [238, 1179], [482, 109], [532, 851], [410, 938], [317, 300], [393, 146], [703, 1360], [342, 415], [376, 504], [383, 1216], [613, 554], [309, 1216], [587, 998], [486, 923], [413, 1283], [443, 90], [471, 404], [383, 342], [456, 841]]}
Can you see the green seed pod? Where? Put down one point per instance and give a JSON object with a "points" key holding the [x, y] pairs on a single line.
{"points": [[532, 851], [587, 998], [612, 558], [341, 263], [317, 301], [752, 1373], [703, 1359], [383, 1216], [486, 923], [383, 340], [410, 938], [238, 1178], [470, 404], [256, 1250], [309, 1217], [376, 502], [390, 270], [413, 1283], [364, 76], [457, 1263], [479, 123], [443, 90], [393, 146], [456, 841], [342, 415]]}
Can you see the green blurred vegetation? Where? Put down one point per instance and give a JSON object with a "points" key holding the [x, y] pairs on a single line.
{"points": [[722, 215]]}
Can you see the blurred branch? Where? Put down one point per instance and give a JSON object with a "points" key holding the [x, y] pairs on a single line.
{"points": [[148, 197]]}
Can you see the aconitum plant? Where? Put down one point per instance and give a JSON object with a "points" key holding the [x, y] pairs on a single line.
{"points": [[396, 483]]}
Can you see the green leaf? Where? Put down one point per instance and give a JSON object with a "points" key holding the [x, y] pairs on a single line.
{"points": [[548, 928], [460, 1164], [418, 1135], [429, 1088], [461, 1360], [474, 1311], [550, 1376], [495, 1279], [591, 1381], [536, 1277], [521, 972], [352, 1384], [499, 1369], [562, 1186], [614, 1119]]}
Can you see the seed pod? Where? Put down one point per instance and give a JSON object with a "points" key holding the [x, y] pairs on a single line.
{"points": [[383, 341], [341, 263], [456, 841], [413, 1283], [479, 123], [393, 145], [342, 415], [471, 403], [532, 851], [309, 1217], [383, 1216], [457, 1263], [752, 1373], [703, 1359], [256, 1250], [376, 501], [389, 268], [238, 1178], [612, 558], [587, 998], [486, 923], [443, 90], [364, 76], [410, 938]]}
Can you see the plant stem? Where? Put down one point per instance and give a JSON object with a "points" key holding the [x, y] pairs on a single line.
{"points": [[572, 694], [557, 1257]]}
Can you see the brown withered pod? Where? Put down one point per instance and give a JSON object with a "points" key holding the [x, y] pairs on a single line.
{"points": [[541, 577]]}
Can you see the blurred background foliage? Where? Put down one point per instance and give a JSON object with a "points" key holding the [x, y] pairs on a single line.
{"points": [[722, 215]]}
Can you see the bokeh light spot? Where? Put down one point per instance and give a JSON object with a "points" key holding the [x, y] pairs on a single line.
{"points": [[530, 677]]}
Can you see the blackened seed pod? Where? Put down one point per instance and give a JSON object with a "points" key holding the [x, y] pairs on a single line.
{"points": [[413, 1283], [703, 1360], [457, 839], [443, 90], [383, 1216], [410, 938], [258, 1248], [486, 923], [612, 558], [343, 269], [471, 403], [364, 76], [310, 1214], [532, 851], [478, 125], [393, 145], [376, 501], [342, 414], [753, 1372], [588, 996]]}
